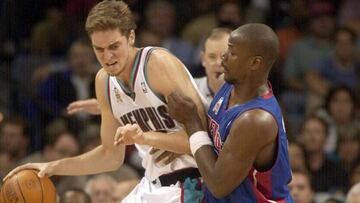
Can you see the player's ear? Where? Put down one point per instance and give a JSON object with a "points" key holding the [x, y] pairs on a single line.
{"points": [[132, 37], [256, 62]]}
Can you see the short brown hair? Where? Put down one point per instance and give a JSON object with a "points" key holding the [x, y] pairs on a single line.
{"points": [[110, 14], [214, 34]]}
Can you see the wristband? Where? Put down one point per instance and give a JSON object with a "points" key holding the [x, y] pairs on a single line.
{"points": [[199, 139]]}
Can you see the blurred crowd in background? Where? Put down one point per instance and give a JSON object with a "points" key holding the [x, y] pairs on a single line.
{"points": [[47, 62]]}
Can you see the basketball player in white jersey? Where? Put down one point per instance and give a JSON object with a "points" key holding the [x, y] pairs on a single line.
{"points": [[215, 44], [130, 89]]}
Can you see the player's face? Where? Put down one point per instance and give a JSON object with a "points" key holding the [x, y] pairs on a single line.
{"points": [[211, 57], [235, 60], [300, 189], [112, 49]]}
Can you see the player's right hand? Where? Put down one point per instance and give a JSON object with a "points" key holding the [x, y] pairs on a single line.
{"points": [[43, 168], [90, 106]]}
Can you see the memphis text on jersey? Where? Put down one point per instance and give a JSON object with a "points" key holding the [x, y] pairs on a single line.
{"points": [[150, 118]]}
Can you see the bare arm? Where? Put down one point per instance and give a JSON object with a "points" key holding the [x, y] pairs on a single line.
{"points": [[167, 74], [178, 142], [90, 106], [249, 133], [105, 157], [251, 142]]}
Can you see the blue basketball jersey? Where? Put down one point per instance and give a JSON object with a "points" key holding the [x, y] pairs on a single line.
{"points": [[262, 187]]}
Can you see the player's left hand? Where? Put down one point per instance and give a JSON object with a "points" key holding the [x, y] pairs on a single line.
{"points": [[129, 134], [182, 108]]}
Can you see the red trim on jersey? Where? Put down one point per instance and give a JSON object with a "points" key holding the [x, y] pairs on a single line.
{"points": [[182, 193], [269, 93], [264, 183], [108, 94]]}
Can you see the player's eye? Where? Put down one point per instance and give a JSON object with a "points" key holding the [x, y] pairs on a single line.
{"points": [[99, 49], [114, 47]]}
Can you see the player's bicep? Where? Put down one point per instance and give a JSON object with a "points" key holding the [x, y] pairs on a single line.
{"points": [[109, 124], [249, 134], [170, 75], [236, 158]]}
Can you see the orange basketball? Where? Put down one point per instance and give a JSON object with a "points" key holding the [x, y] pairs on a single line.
{"points": [[27, 187]]}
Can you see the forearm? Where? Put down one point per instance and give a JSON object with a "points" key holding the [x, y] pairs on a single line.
{"points": [[177, 142], [95, 161], [204, 156], [206, 159]]}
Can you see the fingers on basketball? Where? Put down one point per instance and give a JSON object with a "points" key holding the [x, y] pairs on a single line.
{"points": [[26, 187]]}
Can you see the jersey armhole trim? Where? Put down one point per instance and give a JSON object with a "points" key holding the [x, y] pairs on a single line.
{"points": [[162, 98], [108, 93]]}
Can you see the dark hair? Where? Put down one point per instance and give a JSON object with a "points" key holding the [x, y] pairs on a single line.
{"points": [[348, 135], [52, 138], [323, 122], [333, 91], [110, 14], [347, 30], [304, 173], [18, 121], [214, 34]]}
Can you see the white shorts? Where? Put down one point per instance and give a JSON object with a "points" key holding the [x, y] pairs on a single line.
{"points": [[148, 192]]}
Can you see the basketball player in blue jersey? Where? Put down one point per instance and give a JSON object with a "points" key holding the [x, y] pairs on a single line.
{"points": [[130, 90], [246, 159]]}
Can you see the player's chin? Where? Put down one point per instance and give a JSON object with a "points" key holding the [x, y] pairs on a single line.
{"points": [[113, 71], [228, 80]]}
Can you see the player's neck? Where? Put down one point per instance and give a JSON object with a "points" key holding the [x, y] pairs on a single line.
{"points": [[245, 92], [126, 74]]}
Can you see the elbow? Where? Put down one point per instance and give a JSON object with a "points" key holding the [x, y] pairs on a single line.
{"points": [[218, 189], [117, 163], [114, 160]]}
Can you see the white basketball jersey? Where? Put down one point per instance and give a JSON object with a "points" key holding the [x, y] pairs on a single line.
{"points": [[144, 107], [203, 86]]}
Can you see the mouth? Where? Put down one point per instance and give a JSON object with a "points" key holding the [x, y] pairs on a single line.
{"points": [[218, 74], [109, 65]]}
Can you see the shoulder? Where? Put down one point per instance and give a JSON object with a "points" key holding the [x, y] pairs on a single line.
{"points": [[162, 62], [101, 81], [161, 56], [258, 117], [101, 75], [256, 121]]}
